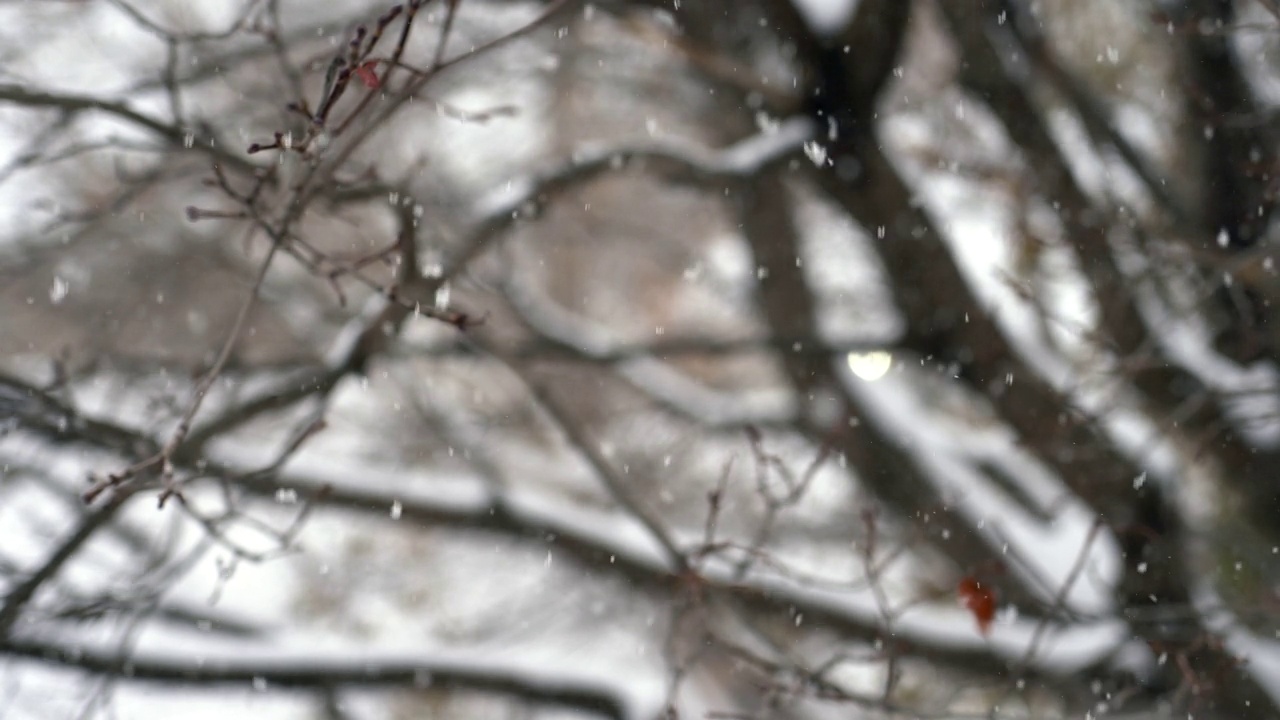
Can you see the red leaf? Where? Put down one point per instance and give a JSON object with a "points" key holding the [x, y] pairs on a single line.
{"points": [[367, 72], [978, 600]]}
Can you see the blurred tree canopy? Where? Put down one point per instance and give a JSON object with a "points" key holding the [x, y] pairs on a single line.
{"points": [[639, 359]]}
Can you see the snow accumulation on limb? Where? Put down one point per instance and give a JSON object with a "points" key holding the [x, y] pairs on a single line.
{"points": [[529, 679]]}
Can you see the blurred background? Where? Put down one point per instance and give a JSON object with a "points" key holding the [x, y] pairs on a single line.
{"points": [[639, 359]]}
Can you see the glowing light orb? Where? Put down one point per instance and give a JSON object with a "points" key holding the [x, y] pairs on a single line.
{"points": [[870, 366]]}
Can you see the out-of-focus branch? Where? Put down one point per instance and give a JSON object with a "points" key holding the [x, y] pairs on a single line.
{"points": [[946, 321], [163, 460], [1094, 114], [605, 541], [31, 408], [527, 683], [177, 137], [679, 162], [565, 348], [608, 541], [992, 75], [786, 302], [589, 449], [17, 598]]}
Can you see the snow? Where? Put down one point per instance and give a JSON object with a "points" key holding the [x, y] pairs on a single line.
{"points": [[949, 454], [286, 661], [463, 494], [1061, 650], [1057, 547], [1252, 400]]}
